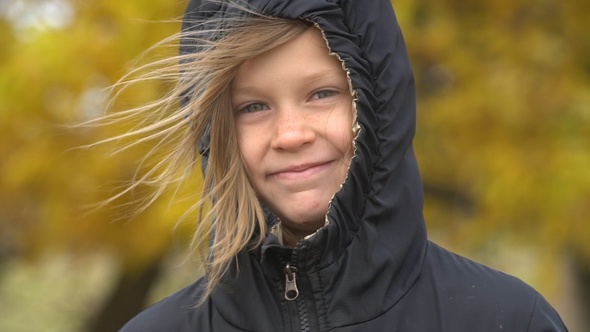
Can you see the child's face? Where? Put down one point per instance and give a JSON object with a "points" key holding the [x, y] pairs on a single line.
{"points": [[294, 116]]}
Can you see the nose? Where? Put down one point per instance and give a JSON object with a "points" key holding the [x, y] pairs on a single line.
{"points": [[293, 129]]}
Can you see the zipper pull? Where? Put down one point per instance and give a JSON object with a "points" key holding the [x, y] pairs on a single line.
{"points": [[291, 291]]}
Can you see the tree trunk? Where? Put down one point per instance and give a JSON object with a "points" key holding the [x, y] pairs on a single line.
{"points": [[127, 298], [582, 269]]}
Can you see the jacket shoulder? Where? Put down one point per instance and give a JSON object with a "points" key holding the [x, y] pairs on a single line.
{"points": [[178, 312], [545, 318], [470, 289]]}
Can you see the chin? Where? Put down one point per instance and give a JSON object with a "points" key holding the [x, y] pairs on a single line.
{"points": [[313, 223]]}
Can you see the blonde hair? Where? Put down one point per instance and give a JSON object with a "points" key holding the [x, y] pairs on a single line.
{"points": [[198, 107]]}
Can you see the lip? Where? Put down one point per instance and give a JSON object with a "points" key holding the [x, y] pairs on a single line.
{"points": [[302, 171]]}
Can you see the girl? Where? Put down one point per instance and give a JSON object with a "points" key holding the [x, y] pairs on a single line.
{"points": [[303, 112]]}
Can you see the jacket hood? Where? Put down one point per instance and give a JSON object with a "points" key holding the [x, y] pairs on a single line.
{"points": [[375, 235]]}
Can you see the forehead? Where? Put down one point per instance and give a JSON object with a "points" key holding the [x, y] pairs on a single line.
{"points": [[306, 57]]}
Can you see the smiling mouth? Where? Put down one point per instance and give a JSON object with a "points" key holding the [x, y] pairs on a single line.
{"points": [[301, 171]]}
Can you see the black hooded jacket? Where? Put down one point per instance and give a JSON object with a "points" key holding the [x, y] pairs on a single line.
{"points": [[371, 268]]}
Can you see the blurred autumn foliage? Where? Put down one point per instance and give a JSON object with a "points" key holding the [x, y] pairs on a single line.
{"points": [[503, 135]]}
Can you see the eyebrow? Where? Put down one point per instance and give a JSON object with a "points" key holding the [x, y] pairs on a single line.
{"points": [[314, 77], [307, 79]]}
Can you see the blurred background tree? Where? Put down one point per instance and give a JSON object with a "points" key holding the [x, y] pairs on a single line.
{"points": [[503, 144], [57, 58], [504, 133]]}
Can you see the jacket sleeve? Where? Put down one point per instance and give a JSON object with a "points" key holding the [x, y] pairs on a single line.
{"points": [[161, 317], [177, 313], [545, 318]]}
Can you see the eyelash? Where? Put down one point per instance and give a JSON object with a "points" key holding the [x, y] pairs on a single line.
{"points": [[329, 93]]}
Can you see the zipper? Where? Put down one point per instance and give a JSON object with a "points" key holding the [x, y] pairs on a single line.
{"points": [[291, 291], [297, 304]]}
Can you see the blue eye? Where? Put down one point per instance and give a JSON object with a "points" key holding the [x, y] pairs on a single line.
{"points": [[324, 94], [255, 107]]}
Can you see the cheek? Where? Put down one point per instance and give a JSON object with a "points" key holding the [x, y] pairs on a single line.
{"points": [[249, 149], [339, 130]]}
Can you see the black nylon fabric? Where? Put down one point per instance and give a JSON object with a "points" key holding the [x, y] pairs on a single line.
{"points": [[371, 267]]}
